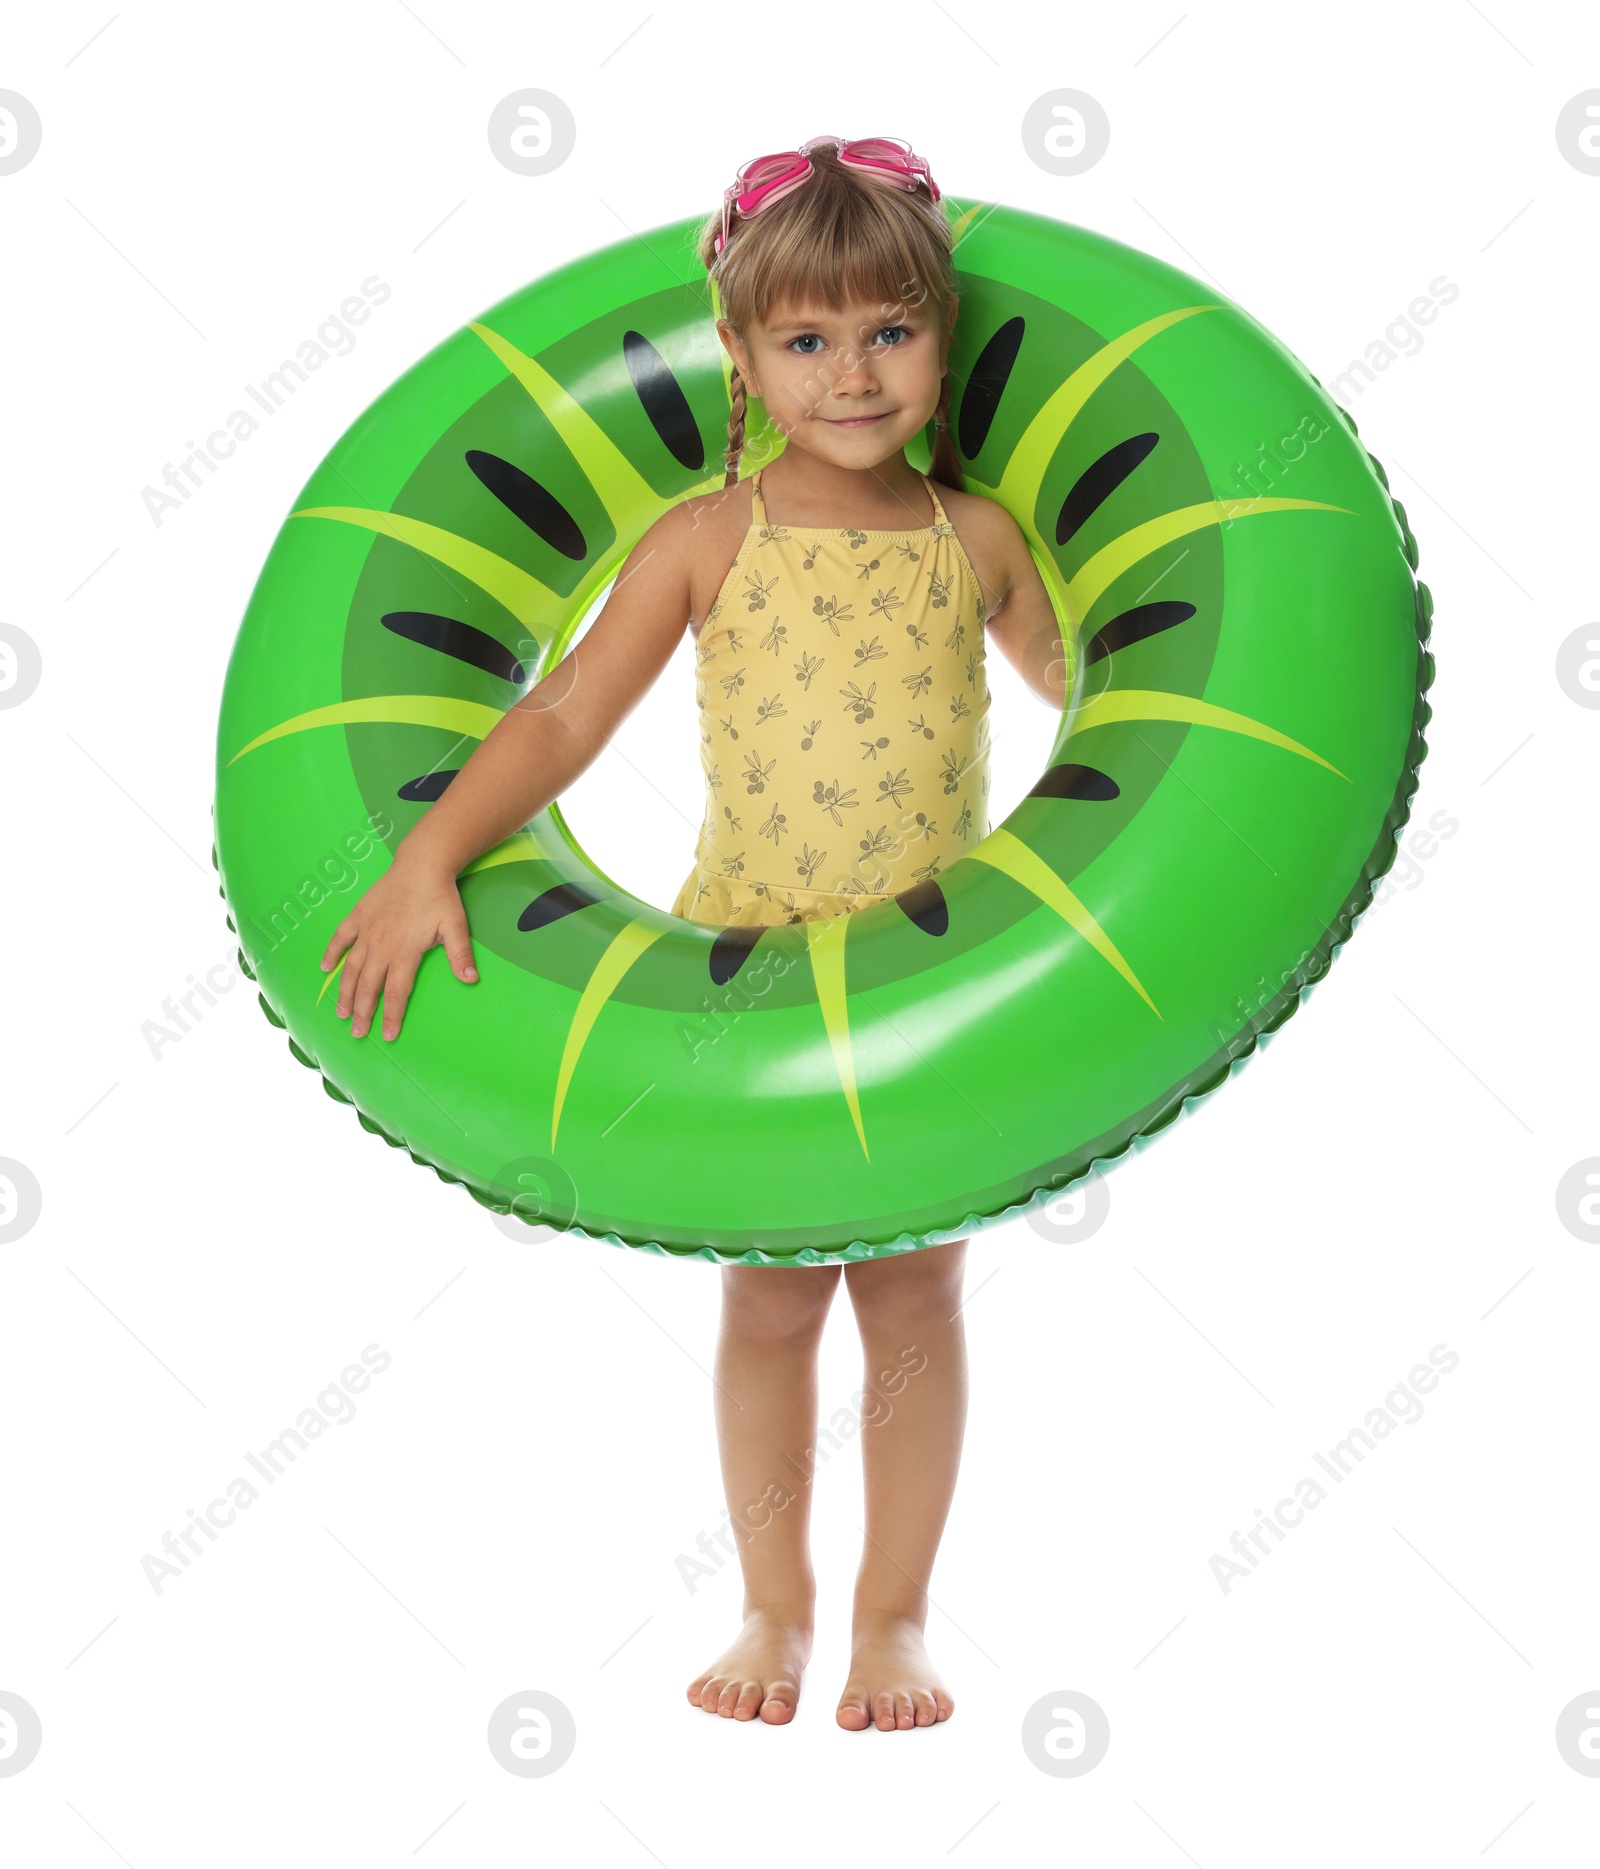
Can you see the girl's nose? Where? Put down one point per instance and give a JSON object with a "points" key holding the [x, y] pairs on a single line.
{"points": [[854, 371]]}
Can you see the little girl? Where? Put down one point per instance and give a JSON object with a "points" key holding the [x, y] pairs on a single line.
{"points": [[840, 677]]}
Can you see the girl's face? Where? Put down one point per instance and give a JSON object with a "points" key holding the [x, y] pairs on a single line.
{"points": [[852, 386]]}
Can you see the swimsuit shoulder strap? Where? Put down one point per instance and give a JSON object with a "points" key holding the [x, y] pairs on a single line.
{"points": [[938, 507]]}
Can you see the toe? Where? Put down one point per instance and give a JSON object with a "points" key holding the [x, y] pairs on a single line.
{"points": [[744, 1708], [779, 1703], [853, 1715], [922, 1701], [728, 1699], [943, 1704], [905, 1715], [883, 1711], [711, 1692], [697, 1687]]}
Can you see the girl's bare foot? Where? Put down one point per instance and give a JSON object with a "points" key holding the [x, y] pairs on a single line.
{"points": [[892, 1683], [759, 1672]]}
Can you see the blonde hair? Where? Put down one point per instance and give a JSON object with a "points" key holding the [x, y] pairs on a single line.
{"points": [[840, 239]]}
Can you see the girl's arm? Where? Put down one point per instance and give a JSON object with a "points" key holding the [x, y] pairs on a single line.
{"points": [[1024, 626], [532, 755]]}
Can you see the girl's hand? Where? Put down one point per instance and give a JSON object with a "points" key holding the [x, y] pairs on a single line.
{"points": [[410, 909]]}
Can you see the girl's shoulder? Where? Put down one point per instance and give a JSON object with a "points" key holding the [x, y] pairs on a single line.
{"points": [[723, 506], [968, 510], [716, 522], [713, 526], [989, 536]]}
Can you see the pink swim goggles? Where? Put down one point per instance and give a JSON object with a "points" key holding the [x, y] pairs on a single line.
{"points": [[766, 179]]}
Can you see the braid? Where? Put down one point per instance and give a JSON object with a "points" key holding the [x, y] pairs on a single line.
{"points": [[736, 411], [945, 462]]}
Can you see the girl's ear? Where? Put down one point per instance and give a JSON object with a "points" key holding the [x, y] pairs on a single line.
{"points": [[734, 346]]}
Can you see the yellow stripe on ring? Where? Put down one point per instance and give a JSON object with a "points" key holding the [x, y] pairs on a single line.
{"points": [[1115, 704], [1138, 542], [519, 591], [825, 942], [1008, 853], [471, 718], [630, 942]]}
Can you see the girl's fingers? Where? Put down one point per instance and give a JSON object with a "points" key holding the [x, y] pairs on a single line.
{"points": [[343, 935], [396, 991], [372, 976], [458, 945], [350, 979], [376, 967]]}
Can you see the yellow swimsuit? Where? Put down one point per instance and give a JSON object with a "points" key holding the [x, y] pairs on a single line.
{"points": [[844, 720]]}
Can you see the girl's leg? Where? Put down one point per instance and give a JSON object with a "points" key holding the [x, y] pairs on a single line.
{"points": [[766, 1409], [913, 1422]]}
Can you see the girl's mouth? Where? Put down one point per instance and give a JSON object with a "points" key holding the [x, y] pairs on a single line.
{"points": [[857, 421]]}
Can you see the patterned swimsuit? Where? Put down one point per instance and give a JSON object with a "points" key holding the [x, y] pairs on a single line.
{"points": [[844, 720]]}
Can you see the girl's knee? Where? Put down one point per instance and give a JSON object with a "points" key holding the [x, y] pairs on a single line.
{"points": [[777, 1301], [910, 1286]]}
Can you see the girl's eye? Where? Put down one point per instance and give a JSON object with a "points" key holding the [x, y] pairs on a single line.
{"points": [[809, 335]]}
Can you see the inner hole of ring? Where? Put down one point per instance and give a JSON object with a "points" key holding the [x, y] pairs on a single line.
{"points": [[638, 806]]}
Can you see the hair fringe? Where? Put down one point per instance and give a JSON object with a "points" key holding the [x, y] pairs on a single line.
{"points": [[841, 239]]}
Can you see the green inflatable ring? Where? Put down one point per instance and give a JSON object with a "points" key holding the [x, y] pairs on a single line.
{"points": [[1226, 785]]}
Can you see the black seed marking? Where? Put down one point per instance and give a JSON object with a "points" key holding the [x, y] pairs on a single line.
{"points": [[562, 899], [925, 904], [524, 498], [1134, 625], [1070, 781], [729, 952], [663, 401], [463, 641], [980, 400], [1096, 484], [425, 790]]}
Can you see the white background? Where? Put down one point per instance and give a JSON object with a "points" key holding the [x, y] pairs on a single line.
{"points": [[219, 1240]]}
